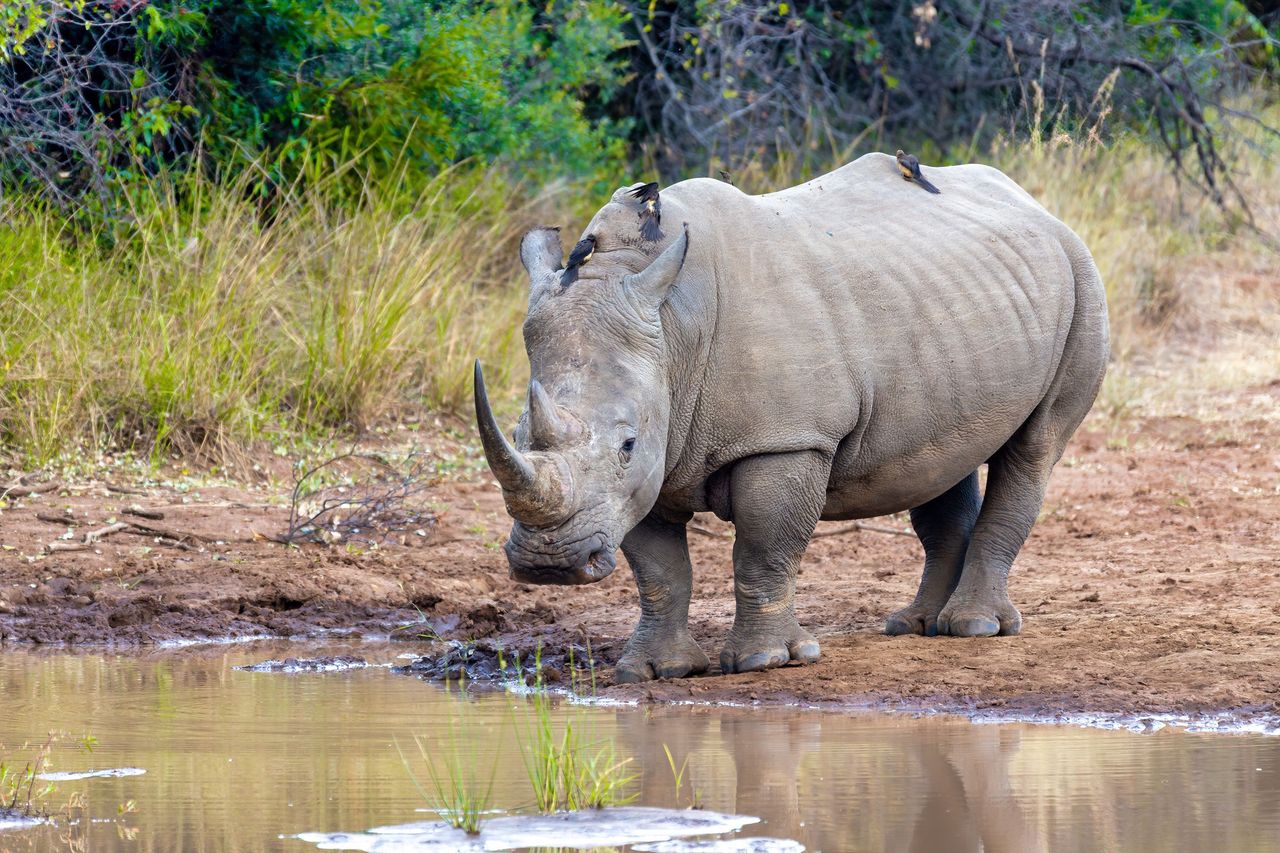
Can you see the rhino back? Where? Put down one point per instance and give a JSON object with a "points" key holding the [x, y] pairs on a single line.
{"points": [[906, 334]]}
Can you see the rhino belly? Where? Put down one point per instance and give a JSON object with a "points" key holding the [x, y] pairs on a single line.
{"points": [[917, 450]]}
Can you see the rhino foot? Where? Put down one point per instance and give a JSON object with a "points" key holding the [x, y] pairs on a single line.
{"points": [[964, 618], [648, 657], [916, 619], [751, 650]]}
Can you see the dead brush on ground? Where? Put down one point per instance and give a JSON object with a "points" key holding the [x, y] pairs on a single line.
{"points": [[361, 497]]}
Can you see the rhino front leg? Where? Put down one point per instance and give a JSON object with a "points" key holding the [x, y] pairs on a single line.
{"points": [[944, 526], [661, 647], [776, 501]]}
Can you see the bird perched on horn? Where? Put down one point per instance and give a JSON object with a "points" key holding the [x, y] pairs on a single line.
{"points": [[582, 252], [909, 166], [650, 211]]}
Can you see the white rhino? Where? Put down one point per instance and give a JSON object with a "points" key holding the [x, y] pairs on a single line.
{"points": [[843, 349]]}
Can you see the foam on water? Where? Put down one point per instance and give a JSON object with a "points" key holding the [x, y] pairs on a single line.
{"points": [[724, 845], [73, 775], [609, 827], [14, 820]]}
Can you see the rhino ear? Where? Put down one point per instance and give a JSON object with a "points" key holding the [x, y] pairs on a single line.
{"points": [[652, 284], [541, 253]]}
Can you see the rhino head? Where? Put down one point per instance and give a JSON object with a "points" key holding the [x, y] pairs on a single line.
{"points": [[589, 454]]}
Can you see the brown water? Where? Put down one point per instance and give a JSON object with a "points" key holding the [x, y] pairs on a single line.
{"points": [[239, 761]]}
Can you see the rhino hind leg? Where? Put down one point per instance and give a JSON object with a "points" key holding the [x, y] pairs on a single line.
{"points": [[658, 552], [944, 526], [1017, 477], [776, 502], [980, 606], [1018, 474]]}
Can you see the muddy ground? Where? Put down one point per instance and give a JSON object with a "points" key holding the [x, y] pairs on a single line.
{"points": [[1152, 582]]}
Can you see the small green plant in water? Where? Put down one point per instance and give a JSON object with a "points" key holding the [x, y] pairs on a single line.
{"points": [[457, 793], [677, 777], [572, 770], [18, 790]]}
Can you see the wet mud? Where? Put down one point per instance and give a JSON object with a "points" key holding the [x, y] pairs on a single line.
{"points": [[1151, 585], [329, 663]]}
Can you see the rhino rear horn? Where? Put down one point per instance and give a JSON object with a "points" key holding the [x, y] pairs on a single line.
{"points": [[548, 427], [541, 252]]}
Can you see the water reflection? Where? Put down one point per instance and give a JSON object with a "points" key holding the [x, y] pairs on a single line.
{"points": [[234, 760], [969, 802]]}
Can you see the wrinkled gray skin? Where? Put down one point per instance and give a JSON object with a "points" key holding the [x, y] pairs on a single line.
{"points": [[847, 348]]}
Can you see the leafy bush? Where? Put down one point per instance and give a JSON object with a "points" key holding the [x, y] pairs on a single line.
{"points": [[95, 94]]}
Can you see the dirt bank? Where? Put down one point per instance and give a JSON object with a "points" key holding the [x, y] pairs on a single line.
{"points": [[1152, 582]]}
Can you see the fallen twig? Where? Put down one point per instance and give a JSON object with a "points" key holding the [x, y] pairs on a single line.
{"points": [[56, 518], [143, 512], [707, 531], [164, 532], [162, 535], [175, 543], [21, 489], [858, 525], [835, 531], [101, 533]]}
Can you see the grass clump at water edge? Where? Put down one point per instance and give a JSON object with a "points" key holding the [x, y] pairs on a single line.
{"points": [[19, 793], [568, 768], [573, 769], [457, 794]]}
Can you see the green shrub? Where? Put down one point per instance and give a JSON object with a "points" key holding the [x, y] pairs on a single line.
{"points": [[393, 84]]}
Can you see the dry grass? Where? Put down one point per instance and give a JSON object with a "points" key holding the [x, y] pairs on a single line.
{"points": [[210, 324]]}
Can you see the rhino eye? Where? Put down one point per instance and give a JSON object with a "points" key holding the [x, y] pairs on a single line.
{"points": [[624, 452]]}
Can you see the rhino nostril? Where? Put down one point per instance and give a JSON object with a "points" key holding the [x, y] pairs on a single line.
{"points": [[599, 564]]}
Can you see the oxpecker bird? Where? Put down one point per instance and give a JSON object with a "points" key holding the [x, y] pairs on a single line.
{"points": [[909, 166], [582, 252], [650, 211]]}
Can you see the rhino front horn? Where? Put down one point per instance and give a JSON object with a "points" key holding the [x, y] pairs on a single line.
{"points": [[535, 486], [512, 471]]}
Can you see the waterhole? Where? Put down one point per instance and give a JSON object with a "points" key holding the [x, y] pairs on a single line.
{"points": [[215, 758]]}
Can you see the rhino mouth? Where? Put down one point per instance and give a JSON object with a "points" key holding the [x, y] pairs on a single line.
{"points": [[591, 567]]}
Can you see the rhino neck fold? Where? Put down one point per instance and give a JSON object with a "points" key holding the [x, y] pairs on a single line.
{"points": [[688, 328]]}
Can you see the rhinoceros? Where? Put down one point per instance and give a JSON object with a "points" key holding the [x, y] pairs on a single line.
{"points": [[847, 348]]}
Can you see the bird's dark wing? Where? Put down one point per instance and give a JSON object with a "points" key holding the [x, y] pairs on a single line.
{"points": [[582, 252], [650, 211], [646, 192]]}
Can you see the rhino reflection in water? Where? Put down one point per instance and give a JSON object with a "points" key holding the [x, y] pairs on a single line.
{"points": [[847, 348]]}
